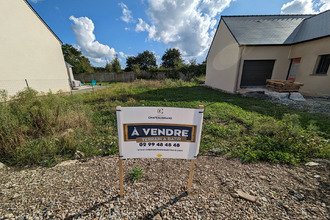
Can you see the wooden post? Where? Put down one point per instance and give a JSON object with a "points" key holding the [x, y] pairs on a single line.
{"points": [[191, 174], [121, 178], [192, 165]]}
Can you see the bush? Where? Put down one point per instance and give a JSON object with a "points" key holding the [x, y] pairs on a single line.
{"points": [[31, 122], [186, 72]]}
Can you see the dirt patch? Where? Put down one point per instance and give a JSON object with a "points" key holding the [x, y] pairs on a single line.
{"points": [[87, 190]]}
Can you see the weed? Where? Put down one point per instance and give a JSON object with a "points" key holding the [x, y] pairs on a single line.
{"points": [[136, 174]]}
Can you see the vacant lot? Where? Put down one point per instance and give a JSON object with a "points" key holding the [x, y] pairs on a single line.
{"points": [[48, 129], [41, 131]]}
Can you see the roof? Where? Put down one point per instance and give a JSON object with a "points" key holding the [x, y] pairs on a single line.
{"points": [[68, 64], [314, 27], [278, 29], [34, 11]]}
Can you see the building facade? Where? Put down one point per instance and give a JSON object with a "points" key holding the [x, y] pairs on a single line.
{"points": [[30, 52], [247, 50]]}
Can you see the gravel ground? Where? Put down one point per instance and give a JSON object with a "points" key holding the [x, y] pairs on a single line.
{"points": [[88, 189], [311, 104]]}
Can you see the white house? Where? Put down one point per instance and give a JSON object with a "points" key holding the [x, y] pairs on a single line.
{"points": [[30, 52], [247, 50]]}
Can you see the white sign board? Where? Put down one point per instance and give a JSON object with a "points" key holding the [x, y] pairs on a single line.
{"points": [[159, 132]]}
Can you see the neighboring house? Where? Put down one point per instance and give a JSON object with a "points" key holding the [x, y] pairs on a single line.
{"points": [[30, 52], [70, 73], [247, 50], [73, 83]]}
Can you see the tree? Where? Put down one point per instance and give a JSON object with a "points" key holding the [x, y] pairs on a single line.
{"points": [[171, 58], [73, 56], [130, 62], [145, 61], [108, 67], [115, 64]]}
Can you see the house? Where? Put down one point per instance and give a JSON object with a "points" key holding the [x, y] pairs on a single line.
{"points": [[30, 52], [247, 50]]}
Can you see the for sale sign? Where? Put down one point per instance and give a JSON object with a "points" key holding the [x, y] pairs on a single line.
{"points": [[156, 132]]}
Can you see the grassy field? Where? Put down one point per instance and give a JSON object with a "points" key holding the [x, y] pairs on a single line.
{"points": [[45, 130]]}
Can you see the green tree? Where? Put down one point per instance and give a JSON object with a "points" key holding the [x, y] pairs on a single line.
{"points": [[108, 67], [73, 56], [130, 62], [115, 64], [146, 60], [171, 58]]}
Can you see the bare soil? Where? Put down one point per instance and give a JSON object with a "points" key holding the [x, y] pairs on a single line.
{"points": [[88, 189]]}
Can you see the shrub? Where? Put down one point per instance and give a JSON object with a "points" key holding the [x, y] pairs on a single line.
{"points": [[31, 122]]}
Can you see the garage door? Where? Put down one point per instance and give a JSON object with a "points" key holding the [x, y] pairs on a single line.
{"points": [[255, 72]]}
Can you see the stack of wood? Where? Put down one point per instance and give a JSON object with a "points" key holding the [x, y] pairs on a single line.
{"points": [[283, 85]]}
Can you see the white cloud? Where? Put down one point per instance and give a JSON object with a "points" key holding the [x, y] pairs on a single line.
{"points": [[305, 6], [325, 5], [123, 55], [298, 7], [188, 25], [98, 60], [83, 29], [127, 14], [35, 1]]}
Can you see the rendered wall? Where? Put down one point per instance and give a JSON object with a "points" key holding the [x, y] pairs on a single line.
{"points": [[278, 53], [222, 60], [28, 50], [315, 85]]}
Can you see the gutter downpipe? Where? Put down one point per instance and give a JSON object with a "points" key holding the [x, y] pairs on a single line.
{"points": [[241, 50]]}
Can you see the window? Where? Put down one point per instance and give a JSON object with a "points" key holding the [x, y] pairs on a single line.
{"points": [[323, 66]]}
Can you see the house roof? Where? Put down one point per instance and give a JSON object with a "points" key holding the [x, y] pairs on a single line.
{"points": [[278, 29], [314, 27], [36, 13], [68, 64]]}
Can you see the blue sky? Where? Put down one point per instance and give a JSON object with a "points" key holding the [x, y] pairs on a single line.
{"points": [[102, 29]]}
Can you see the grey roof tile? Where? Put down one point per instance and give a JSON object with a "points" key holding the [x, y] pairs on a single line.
{"points": [[314, 27], [277, 29]]}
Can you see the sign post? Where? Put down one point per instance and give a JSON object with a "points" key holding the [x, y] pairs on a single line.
{"points": [[159, 132], [121, 178]]}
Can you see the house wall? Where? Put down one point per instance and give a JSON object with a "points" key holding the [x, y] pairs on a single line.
{"points": [[29, 50], [222, 60], [278, 53], [316, 85]]}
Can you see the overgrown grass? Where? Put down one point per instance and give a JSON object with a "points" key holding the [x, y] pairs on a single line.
{"points": [[47, 129], [40, 129]]}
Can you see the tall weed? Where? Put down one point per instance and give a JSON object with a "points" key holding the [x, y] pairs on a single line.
{"points": [[30, 121]]}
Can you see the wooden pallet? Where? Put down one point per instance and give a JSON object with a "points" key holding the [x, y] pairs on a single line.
{"points": [[283, 85], [282, 90]]}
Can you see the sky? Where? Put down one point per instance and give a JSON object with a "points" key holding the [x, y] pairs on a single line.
{"points": [[103, 29]]}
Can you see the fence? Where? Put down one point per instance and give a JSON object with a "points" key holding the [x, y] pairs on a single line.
{"points": [[41, 85], [106, 77]]}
